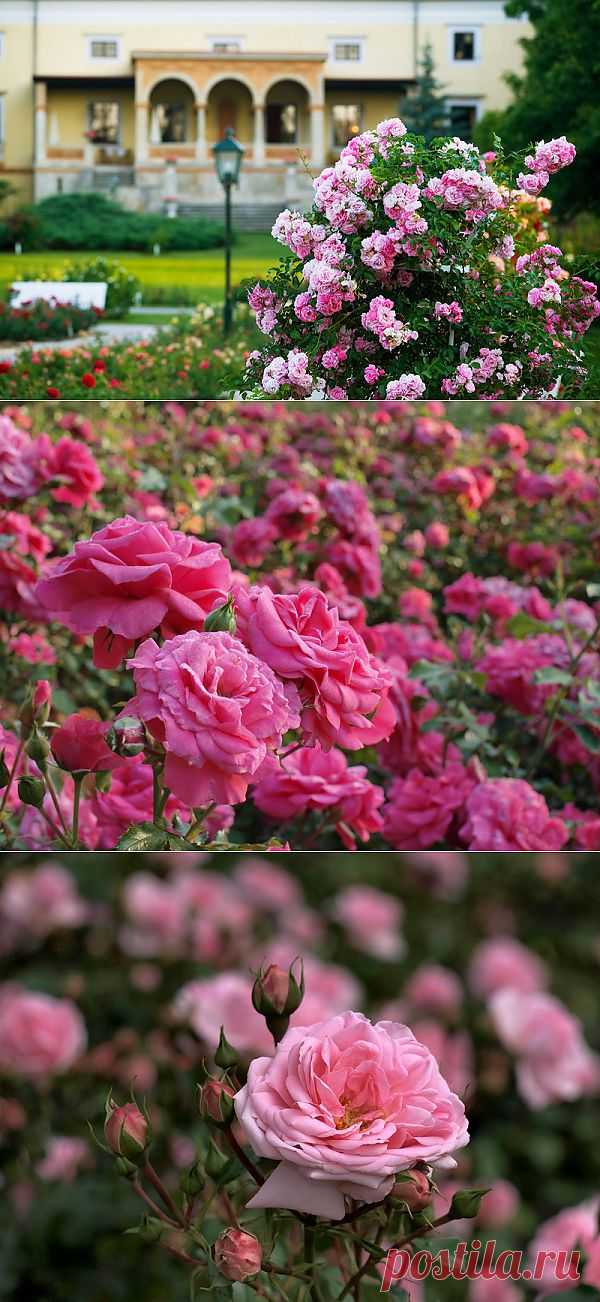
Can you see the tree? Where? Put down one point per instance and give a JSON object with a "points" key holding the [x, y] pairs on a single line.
{"points": [[557, 95], [425, 111]]}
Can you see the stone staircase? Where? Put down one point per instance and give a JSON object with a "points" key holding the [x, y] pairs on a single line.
{"points": [[245, 216]]}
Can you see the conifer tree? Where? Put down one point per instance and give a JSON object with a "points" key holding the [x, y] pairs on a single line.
{"points": [[424, 111]]}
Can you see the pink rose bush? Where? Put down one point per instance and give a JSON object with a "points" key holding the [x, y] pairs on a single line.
{"points": [[350, 1053], [349, 315], [367, 630]]}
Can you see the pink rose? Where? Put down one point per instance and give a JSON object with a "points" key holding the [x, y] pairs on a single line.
{"points": [[217, 709], [224, 1001], [129, 800], [133, 577], [371, 919], [344, 1105], [575, 1228], [508, 814], [41, 899], [553, 1061], [251, 541], [313, 779], [422, 807], [501, 962], [72, 467], [39, 1035], [293, 514], [500, 1205], [344, 689], [19, 473], [64, 1157], [434, 989], [19, 562], [79, 745]]}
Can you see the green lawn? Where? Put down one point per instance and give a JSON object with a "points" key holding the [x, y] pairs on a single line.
{"points": [[170, 278]]}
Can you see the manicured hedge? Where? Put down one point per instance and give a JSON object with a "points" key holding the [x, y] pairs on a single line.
{"points": [[93, 221]]}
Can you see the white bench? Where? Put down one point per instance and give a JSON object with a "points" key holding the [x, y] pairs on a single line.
{"points": [[84, 294]]}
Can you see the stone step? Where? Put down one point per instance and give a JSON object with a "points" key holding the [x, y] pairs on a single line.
{"points": [[245, 216]]}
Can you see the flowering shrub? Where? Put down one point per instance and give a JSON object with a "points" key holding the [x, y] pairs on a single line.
{"points": [[428, 1074], [421, 271], [42, 320], [234, 625]]}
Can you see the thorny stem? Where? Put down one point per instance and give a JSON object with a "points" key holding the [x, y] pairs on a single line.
{"points": [[164, 1194], [246, 1161], [154, 1208], [11, 776]]}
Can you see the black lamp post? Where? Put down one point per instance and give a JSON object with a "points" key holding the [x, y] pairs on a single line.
{"points": [[228, 161]]}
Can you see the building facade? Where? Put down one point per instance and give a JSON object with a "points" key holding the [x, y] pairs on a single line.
{"points": [[129, 96]]}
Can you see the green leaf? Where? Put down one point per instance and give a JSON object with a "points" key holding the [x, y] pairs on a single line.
{"points": [[550, 674], [523, 625], [589, 738], [143, 836]]}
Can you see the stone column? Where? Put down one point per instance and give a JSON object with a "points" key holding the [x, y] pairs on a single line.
{"points": [[41, 121], [170, 190], [201, 151], [259, 134], [317, 136], [141, 132]]}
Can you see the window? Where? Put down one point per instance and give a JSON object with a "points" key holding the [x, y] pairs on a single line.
{"points": [[104, 122], [104, 47], [463, 116], [282, 124], [464, 45], [225, 44], [172, 123], [346, 50], [347, 122]]}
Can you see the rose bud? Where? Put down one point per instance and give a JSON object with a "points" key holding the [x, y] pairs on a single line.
{"points": [[37, 707], [225, 1054], [216, 1102], [238, 1255], [79, 746], [414, 1191], [38, 749], [222, 619], [277, 994], [126, 1131]]}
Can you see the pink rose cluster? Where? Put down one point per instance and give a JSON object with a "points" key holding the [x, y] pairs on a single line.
{"points": [[389, 215], [27, 465]]}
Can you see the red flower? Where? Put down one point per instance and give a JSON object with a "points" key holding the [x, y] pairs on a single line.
{"points": [[4, 367], [115, 384], [88, 380], [52, 391], [99, 365]]}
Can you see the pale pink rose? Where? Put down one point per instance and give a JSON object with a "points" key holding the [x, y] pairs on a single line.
{"points": [[344, 1105], [500, 1205], [553, 1061], [434, 989], [267, 885], [64, 1158], [42, 899], [445, 872], [131, 578], [371, 920], [494, 1290], [453, 1052], [501, 962], [19, 471], [591, 1273], [344, 689], [217, 709], [224, 1001], [508, 814], [573, 1230], [40, 1036]]}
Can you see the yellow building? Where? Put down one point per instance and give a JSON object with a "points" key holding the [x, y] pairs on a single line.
{"points": [[130, 95]]}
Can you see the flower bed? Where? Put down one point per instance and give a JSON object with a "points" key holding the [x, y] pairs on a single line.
{"points": [[423, 270], [313, 629], [186, 357], [40, 321], [122, 973]]}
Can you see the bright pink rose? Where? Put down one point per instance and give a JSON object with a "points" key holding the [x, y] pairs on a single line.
{"points": [[344, 1105], [553, 1061], [19, 562], [344, 689], [72, 467], [251, 541], [217, 709], [128, 801], [313, 779], [293, 514], [79, 745], [501, 962], [39, 1035], [40, 827], [131, 578], [371, 919], [574, 1229], [508, 814], [9, 746], [19, 473], [421, 808], [359, 565]]}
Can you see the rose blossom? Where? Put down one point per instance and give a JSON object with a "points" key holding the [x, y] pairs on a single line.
{"points": [[371, 919], [553, 1061], [65, 1155], [39, 1035], [508, 814], [293, 514], [345, 1105], [217, 709], [79, 745], [575, 1227], [130, 578], [344, 689], [501, 962], [313, 779]]}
